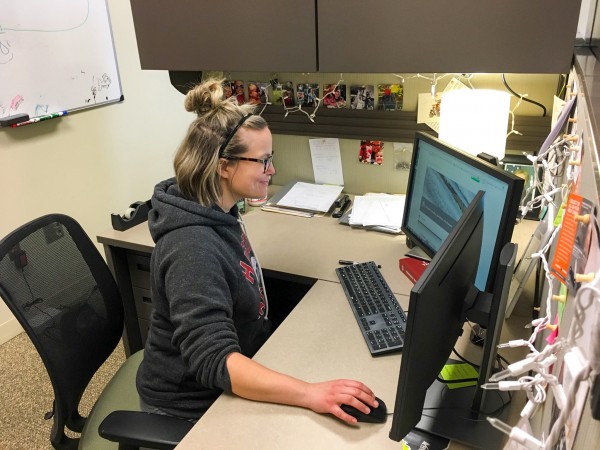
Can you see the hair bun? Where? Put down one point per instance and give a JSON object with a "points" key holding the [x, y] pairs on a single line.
{"points": [[205, 97]]}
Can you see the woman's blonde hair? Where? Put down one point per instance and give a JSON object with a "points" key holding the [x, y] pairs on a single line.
{"points": [[197, 159]]}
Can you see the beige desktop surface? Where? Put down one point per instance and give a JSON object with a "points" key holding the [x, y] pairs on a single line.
{"points": [[135, 238], [337, 350], [313, 246], [309, 247]]}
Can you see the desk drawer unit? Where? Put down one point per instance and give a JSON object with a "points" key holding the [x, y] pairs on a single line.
{"points": [[139, 271]]}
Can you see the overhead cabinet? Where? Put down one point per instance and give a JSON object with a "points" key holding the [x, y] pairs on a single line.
{"points": [[228, 35], [410, 36]]}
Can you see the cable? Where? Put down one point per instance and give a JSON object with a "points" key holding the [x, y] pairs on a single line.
{"points": [[506, 361], [464, 359], [516, 434], [469, 411], [461, 380], [568, 407], [522, 97]]}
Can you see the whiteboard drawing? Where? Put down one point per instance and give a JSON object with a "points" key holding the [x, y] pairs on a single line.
{"points": [[56, 56]]}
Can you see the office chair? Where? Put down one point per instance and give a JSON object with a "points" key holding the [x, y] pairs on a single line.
{"points": [[59, 288]]}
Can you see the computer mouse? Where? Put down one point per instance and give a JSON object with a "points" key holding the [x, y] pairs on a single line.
{"points": [[377, 415]]}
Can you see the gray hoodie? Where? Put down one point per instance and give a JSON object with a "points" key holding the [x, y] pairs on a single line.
{"points": [[207, 299]]}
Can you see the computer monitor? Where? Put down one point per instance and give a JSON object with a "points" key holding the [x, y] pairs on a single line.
{"points": [[440, 302], [442, 181]]}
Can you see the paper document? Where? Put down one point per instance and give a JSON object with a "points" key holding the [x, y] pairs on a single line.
{"points": [[378, 210], [310, 197], [326, 161]]}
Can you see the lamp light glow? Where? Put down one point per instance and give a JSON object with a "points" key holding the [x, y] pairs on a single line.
{"points": [[475, 120]]}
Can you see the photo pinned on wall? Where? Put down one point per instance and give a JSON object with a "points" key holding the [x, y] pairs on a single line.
{"points": [[520, 166], [371, 152], [390, 97], [334, 96], [283, 94], [307, 94], [258, 92], [228, 89], [402, 155], [428, 110], [362, 96], [237, 87]]}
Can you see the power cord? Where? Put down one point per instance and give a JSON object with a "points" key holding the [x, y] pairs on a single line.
{"points": [[521, 96]]}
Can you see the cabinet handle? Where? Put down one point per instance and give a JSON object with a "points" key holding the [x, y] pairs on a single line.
{"points": [[143, 267]]}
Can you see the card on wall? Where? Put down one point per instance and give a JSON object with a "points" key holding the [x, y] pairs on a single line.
{"points": [[258, 92], [334, 96], [307, 94], [362, 96], [371, 152], [283, 94], [390, 97]]}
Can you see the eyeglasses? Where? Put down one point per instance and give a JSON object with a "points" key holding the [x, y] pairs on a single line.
{"points": [[231, 134], [265, 162]]}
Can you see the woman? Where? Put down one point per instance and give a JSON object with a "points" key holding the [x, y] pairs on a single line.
{"points": [[210, 306]]}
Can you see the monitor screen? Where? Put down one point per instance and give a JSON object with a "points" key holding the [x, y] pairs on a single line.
{"points": [[435, 315], [442, 182]]}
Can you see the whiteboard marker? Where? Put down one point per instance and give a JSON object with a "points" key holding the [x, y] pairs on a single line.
{"points": [[40, 119]]}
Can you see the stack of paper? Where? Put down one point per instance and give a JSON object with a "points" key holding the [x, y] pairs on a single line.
{"points": [[380, 211], [305, 199]]}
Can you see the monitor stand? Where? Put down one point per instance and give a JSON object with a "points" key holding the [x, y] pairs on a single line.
{"points": [[418, 253], [447, 413]]}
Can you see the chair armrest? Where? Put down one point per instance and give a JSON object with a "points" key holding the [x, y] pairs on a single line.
{"points": [[141, 429]]}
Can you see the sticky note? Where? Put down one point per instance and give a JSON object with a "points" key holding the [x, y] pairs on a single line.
{"points": [[459, 371]]}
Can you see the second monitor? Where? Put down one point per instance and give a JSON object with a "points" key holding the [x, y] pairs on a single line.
{"points": [[442, 182]]}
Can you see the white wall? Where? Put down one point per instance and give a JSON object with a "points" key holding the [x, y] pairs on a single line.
{"points": [[93, 162]]}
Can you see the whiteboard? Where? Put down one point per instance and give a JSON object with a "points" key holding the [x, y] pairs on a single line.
{"points": [[56, 56]]}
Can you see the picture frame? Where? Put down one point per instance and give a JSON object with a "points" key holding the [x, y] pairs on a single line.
{"points": [[519, 165]]}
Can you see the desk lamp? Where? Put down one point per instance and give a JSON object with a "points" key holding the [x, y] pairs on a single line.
{"points": [[475, 120]]}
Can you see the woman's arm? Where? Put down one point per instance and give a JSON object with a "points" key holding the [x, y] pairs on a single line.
{"points": [[254, 381]]}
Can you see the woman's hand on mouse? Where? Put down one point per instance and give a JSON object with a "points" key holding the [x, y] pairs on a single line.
{"points": [[254, 381], [327, 396]]}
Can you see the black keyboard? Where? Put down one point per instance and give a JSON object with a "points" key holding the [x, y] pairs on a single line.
{"points": [[379, 315]]}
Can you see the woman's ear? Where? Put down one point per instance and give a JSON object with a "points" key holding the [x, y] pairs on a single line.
{"points": [[224, 168]]}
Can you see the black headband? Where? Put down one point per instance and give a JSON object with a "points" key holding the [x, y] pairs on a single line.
{"points": [[231, 134]]}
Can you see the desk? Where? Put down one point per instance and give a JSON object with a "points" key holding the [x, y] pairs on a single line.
{"points": [[308, 247]]}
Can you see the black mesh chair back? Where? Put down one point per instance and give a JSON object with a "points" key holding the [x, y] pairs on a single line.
{"points": [[59, 288]]}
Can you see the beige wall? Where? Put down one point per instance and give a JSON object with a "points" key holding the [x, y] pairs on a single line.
{"points": [[98, 161]]}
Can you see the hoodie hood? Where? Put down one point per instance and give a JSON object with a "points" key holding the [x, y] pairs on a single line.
{"points": [[171, 210]]}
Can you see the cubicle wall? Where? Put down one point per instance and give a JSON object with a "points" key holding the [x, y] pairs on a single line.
{"points": [[583, 431]]}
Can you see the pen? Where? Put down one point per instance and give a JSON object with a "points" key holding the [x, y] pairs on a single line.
{"points": [[345, 262]]}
